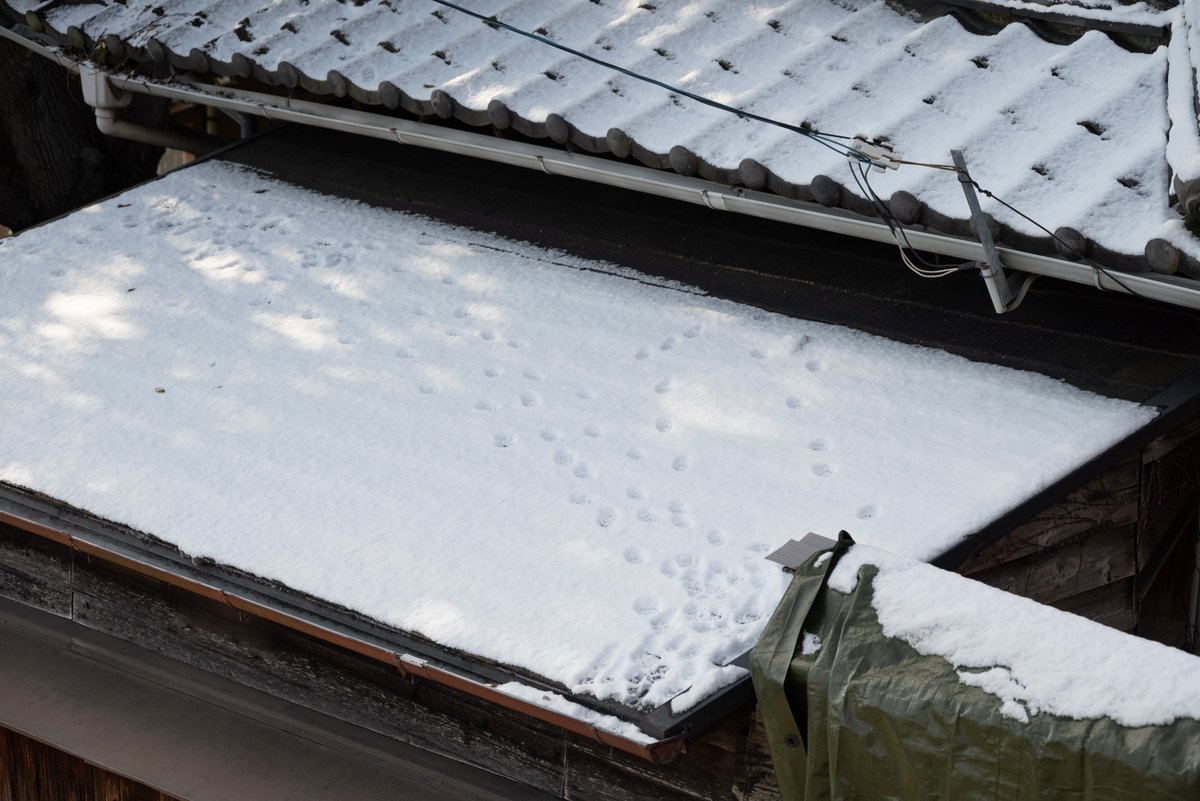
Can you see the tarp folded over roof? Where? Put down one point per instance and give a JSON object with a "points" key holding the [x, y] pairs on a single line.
{"points": [[854, 709]]}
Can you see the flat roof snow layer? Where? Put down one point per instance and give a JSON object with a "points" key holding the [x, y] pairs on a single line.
{"points": [[544, 461], [1074, 134]]}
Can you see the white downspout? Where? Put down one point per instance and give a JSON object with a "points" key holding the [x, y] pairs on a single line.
{"points": [[109, 102]]}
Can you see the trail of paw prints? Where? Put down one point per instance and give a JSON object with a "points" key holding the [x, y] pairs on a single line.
{"points": [[668, 343]]}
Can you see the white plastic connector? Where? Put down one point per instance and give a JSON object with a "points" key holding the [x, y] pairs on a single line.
{"points": [[881, 157], [98, 92]]}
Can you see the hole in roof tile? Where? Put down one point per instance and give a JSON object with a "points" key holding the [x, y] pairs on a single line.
{"points": [[341, 37], [839, 38], [441, 16], [541, 31], [288, 26], [552, 75], [497, 66], [157, 11], [1093, 128], [441, 55], [1041, 170], [775, 25], [909, 50], [1129, 182], [788, 74], [649, 6], [981, 62], [241, 31], [1056, 72], [388, 46], [929, 100], [261, 51], [663, 52], [726, 65], [860, 87]]}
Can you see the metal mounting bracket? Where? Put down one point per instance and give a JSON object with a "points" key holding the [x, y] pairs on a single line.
{"points": [[1007, 291]]}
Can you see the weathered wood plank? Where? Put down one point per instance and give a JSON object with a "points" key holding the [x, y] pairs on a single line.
{"points": [[33, 771], [1168, 442], [1110, 604], [1107, 501], [1080, 565], [288, 665], [35, 572]]}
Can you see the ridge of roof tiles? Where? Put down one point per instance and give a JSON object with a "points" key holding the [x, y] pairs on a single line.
{"points": [[1073, 133]]}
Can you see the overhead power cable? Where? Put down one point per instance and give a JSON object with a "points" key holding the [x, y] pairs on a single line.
{"points": [[818, 136]]}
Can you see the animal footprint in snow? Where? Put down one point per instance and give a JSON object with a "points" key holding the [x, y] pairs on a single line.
{"points": [[663, 387], [533, 375], [636, 454], [667, 343], [693, 332], [505, 439], [530, 399], [635, 556], [486, 405], [583, 471], [814, 366], [867, 512], [487, 335], [758, 353], [681, 463], [493, 372], [642, 354], [606, 517], [818, 445], [664, 424], [593, 431], [580, 498], [427, 389], [635, 494], [551, 434], [647, 515], [795, 403], [584, 394], [646, 606], [716, 538], [677, 507], [563, 457], [822, 469]]}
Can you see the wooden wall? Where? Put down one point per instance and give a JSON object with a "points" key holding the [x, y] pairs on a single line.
{"points": [[1113, 550], [34, 771]]}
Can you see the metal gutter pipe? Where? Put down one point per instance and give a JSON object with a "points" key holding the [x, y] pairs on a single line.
{"points": [[1168, 289], [658, 752], [1165, 288]]}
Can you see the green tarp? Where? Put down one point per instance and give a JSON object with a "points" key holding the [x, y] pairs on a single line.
{"points": [[865, 716]]}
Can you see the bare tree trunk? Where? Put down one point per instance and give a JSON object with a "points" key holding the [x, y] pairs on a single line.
{"points": [[53, 158]]}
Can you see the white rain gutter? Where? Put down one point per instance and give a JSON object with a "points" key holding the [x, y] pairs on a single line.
{"points": [[1165, 288], [98, 92]]}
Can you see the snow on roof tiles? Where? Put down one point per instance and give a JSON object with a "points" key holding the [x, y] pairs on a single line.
{"points": [[509, 451], [1072, 134]]}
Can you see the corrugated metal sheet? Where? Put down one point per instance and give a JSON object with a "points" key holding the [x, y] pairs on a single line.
{"points": [[1074, 133]]}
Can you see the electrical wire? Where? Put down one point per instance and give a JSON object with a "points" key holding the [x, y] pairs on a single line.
{"points": [[818, 136], [1095, 267]]}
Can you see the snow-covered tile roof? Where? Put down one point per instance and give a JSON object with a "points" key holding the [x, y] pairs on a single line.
{"points": [[529, 457], [1074, 134]]}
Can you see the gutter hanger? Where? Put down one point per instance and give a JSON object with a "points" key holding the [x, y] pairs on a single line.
{"points": [[1165, 288]]}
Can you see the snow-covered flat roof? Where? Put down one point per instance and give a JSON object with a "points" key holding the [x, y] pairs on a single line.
{"points": [[535, 459], [1072, 133]]}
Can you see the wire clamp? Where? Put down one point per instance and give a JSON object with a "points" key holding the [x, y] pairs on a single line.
{"points": [[881, 157]]}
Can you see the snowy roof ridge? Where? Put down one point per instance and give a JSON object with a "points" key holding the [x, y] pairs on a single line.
{"points": [[1071, 133]]}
